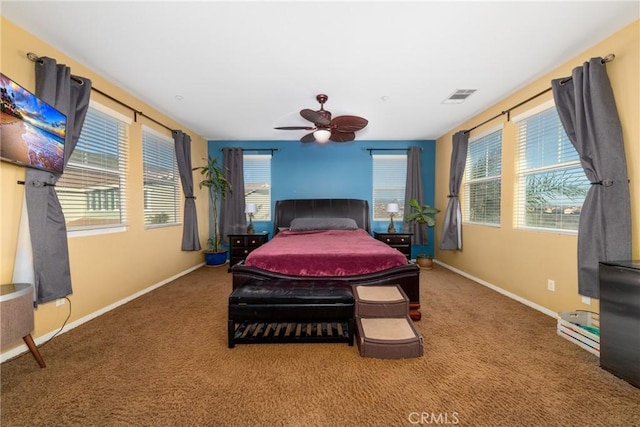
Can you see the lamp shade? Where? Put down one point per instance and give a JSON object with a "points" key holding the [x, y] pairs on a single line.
{"points": [[250, 208], [393, 208], [322, 135]]}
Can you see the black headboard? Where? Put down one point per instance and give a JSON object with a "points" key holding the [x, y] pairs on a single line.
{"points": [[286, 210]]}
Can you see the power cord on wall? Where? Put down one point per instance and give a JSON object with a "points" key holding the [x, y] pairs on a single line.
{"points": [[61, 327]]}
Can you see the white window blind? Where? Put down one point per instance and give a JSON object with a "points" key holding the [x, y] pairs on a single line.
{"points": [[389, 181], [162, 192], [257, 184], [551, 184], [482, 179], [92, 188]]}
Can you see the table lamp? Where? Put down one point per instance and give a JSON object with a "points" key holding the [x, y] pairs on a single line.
{"points": [[250, 208], [392, 208]]}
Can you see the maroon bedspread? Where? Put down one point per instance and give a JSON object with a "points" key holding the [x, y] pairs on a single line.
{"points": [[325, 253]]}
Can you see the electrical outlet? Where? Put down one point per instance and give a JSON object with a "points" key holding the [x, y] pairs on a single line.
{"points": [[551, 285], [586, 300], [59, 302]]}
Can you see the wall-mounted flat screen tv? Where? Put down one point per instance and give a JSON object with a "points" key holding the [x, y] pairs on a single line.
{"points": [[32, 132]]}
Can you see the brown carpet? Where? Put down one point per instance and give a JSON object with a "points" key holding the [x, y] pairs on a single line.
{"points": [[162, 360]]}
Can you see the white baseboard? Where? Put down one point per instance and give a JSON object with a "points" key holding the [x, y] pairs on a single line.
{"points": [[501, 291], [10, 354]]}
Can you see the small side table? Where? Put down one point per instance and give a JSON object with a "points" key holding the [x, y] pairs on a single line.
{"points": [[242, 244], [400, 241], [16, 306]]}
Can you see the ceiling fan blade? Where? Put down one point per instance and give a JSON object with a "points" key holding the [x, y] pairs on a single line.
{"points": [[342, 136], [294, 128], [348, 123], [308, 138], [315, 117]]}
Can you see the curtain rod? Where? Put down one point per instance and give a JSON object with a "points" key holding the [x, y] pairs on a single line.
{"points": [[35, 58], [610, 57], [258, 149], [371, 150]]}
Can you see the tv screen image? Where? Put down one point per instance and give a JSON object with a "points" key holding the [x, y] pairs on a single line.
{"points": [[32, 132]]}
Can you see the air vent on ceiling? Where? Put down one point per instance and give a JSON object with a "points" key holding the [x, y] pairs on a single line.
{"points": [[459, 96]]}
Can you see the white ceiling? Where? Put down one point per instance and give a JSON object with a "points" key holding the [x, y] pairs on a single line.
{"points": [[243, 67]]}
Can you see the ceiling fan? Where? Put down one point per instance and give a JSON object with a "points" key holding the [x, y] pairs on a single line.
{"points": [[337, 129]]}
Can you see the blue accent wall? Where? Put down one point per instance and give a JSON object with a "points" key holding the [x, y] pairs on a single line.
{"points": [[332, 170]]}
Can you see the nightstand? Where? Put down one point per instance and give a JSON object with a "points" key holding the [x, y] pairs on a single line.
{"points": [[400, 241], [241, 245]]}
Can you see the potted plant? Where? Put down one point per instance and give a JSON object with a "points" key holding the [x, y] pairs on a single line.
{"points": [[422, 215], [213, 177]]}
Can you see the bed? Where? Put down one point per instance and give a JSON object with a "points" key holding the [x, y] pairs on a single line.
{"points": [[338, 246]]}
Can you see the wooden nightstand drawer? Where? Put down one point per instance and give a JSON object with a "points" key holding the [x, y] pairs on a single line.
{"points": [[255, 241], [240, 252], [237, 241], [399, 241]]}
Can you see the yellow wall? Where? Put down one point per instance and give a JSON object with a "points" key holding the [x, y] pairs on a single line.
{"points": [[520, 262], [104, 268]]}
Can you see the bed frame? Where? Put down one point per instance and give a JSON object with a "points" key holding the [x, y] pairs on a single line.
{"points": [[407, 276]]}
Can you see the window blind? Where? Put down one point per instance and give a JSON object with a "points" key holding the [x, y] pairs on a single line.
{"points": [[483, 179], [162, 192], [257, 183], [389, 181], [92, 189], [551, 184]]}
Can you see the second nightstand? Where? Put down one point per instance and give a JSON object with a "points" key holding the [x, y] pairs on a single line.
{"points": [[400, 241]]}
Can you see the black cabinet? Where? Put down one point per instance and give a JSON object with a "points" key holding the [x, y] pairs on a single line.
{"points": [[620, 319], [400, 241], [241, 245]]}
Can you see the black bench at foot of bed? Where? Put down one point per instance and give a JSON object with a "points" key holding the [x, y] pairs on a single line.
{"points": [[279, 311]]}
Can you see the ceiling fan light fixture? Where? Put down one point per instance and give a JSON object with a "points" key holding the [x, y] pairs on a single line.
{"points": [[327, 128], [322, 135]]}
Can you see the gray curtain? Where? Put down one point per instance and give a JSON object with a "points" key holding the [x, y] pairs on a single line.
{"points": [[589, 116], [232, 216], [451, 238], [413, 190], [70, 95], [190, 238]]}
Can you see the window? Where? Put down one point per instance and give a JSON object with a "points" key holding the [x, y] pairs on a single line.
{"points": [[482, 179], [162, 192], [551, 184], [257, 184], [92, 188], [389, 180]]}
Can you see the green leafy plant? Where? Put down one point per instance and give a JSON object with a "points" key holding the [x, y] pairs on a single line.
{"points": [[213, 177], [422, 215]]}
